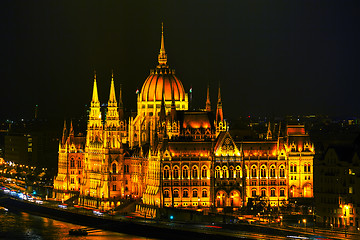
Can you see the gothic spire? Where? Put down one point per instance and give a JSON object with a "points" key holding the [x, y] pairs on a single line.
{"points": [[112, 98], [71, 129], [63, 140], [95, 98], [162, 58], [208, 104], [219, 111]]}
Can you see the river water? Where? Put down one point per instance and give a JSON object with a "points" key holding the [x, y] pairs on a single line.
{"points": [[20, 225]]}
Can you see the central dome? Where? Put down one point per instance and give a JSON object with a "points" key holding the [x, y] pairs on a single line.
{"points": [[162, 82]]}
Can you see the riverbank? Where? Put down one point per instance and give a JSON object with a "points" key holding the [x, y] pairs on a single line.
{"points": [[152, 229]]}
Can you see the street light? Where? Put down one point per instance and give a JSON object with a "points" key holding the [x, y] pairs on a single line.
{"points": [[346, 209], [304, 221]]}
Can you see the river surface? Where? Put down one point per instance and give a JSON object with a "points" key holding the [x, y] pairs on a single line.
{"points": [[20, 225]]}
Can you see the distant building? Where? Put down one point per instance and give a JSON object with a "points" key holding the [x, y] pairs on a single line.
{"points": [[337, 192], [172, 157], [32, 143]]}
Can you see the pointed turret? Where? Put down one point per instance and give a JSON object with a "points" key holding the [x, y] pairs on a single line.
{"points": [[71, 134], [71, 129], [95, 98], [208, 104], [219, 111], [121, 105], [95, 126], [162, 58], [63, 140], [112, 99], [112, 114], [269, 133]]}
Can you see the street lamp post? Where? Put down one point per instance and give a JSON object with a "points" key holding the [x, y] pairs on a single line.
{"points": [[304, 221], [346, 208]]}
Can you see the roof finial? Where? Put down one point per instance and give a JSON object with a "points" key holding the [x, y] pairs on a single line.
{"points": [[162, 58]]}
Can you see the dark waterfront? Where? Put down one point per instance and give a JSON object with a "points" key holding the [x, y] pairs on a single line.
{"points": [[20, 225]]}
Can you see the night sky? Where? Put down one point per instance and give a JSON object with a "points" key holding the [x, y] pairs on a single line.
{"points": [[272, 58]]}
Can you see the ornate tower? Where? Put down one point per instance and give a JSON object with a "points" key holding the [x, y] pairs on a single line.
{"points": [[112, 123], [94, 127]]}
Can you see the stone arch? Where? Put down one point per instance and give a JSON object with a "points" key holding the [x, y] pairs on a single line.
{"points": [[221, 198], [307, 191], [293, 191], [235, 198]]}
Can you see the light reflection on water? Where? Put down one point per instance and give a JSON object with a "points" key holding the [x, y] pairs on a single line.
{"points": [[20, 225]]}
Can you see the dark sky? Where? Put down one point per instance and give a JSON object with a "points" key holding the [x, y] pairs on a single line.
{"points": [[271, 57]]}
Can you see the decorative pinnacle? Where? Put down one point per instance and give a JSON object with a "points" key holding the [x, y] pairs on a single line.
{"points": [[112, 98], [95, 98], [162, 58]]}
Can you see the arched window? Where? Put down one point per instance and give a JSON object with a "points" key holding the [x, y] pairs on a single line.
{"points": [[282, 192], [204, 193], [253, 192], [72, 163], [176, 193], [253, 171], [185, 193], [79, 163], [225, 173], [195, 193], [176, 172], [185, 172], [272, 192], [263, 171], [166, 172], [309, 167], [217, 172], [231, 172], [291, 168], [204, 172], [113, 166], [166, 193], [238, 172], [272, 171], [295, 169], [305, 167], [282, 171], [194, 172], [263, 192]]}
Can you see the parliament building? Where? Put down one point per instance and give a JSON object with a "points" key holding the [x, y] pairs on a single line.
{"points": [[170, 156]]}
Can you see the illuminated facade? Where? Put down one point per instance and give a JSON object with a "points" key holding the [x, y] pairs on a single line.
{"points": [[172, 157]]}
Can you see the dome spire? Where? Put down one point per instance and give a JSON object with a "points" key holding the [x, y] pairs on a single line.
{"points": [[162, 58]]}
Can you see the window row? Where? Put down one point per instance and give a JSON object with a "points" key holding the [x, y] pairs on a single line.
{"points": [[185, 172], [263, 192], [264, 172], [185, 193]]}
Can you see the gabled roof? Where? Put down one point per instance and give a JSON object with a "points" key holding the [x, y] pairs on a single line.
{"points": [[225, 145]]}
